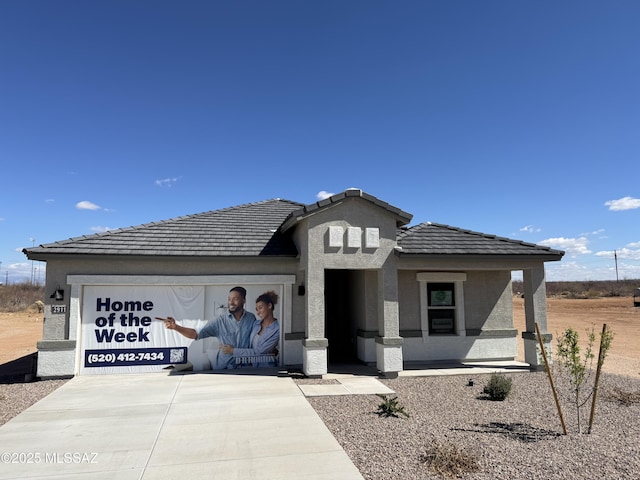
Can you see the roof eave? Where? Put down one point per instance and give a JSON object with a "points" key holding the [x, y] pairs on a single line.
{"points": [[544, 257], [42, 256]]}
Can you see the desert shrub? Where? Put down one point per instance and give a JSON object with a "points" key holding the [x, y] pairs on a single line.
{"points": [[390, 407], [19, 296], [498, 387], [612, 293], [449, 460], [575, 295]]}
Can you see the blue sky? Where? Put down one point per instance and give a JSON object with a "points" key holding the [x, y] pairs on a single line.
{"points": [[515, 118]]}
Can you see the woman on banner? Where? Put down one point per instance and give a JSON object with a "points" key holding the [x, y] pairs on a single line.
{"points": [[234, 326], [264, 338]]}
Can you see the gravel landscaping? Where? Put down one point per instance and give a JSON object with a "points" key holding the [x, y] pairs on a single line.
{"points": [[17, 397], [518, 438]]}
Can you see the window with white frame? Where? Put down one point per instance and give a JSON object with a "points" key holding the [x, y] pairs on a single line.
{"points": [[441, 303]]}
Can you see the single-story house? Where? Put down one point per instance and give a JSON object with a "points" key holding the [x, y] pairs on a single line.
{"points": [[355, 282]]}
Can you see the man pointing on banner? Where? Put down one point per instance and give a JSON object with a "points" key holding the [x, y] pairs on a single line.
{"points": [[233, 327]]}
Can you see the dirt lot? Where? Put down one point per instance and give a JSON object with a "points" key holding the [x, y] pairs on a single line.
{"points": [[19, 332], [617, 312]]}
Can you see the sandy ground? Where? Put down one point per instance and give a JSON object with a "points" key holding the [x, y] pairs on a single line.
{"points": [[19, 332], [618, 313]]}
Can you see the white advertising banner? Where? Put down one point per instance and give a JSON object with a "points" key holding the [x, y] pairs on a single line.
{"points": [[120, 332]]}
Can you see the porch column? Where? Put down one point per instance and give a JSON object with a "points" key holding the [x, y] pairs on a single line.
{"points": [[389, 342], [535, 311], [314, 345]]}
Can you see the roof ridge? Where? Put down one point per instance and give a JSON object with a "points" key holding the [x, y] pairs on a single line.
{"points": [[309, 208]]}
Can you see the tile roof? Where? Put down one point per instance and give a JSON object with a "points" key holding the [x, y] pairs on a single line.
{"points": [[263, 229], [438, 239], [245, 230], [402, 217]]}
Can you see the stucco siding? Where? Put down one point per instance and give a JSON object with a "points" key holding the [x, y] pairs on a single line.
{"points": [[173, 266], [359, 214], [371, 301], [487, 301], [453, 348], [487, 298], [298, 304], [408, 300]]}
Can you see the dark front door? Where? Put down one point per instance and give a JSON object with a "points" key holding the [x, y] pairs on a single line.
{"points": [[340, 321]]}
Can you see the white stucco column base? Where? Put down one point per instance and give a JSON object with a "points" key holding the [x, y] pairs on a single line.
{"points": [[532, 354], [389, 356], [314, 356], [56, 358]]}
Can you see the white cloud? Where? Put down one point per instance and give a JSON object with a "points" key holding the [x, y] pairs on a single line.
{"points": [[624, 203], [529, 229], [321, 195], [623, 253], [23, 272], [167, 182], [629, 271], [558, 271], [19, 265], [86, 205], [573, 246], [99, 229], [597, 233], [572, 271]]}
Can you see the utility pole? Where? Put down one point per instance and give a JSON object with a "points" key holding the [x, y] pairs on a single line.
{"points": [[615, 257], [33, 243]]}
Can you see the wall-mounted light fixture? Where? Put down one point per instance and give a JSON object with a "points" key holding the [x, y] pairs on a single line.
{"points": [[301, 290], [58, 294]]}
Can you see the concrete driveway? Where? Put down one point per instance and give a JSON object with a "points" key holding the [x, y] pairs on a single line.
{"points": [[160, 426]]}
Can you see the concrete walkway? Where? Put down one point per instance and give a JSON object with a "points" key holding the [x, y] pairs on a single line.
{"points": [[465, 368], [159, 426]]}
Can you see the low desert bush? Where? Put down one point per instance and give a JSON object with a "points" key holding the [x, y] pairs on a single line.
{"points": [[20, 296], [390, 407], [449, 460], [586, 289], [498, 387]]}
